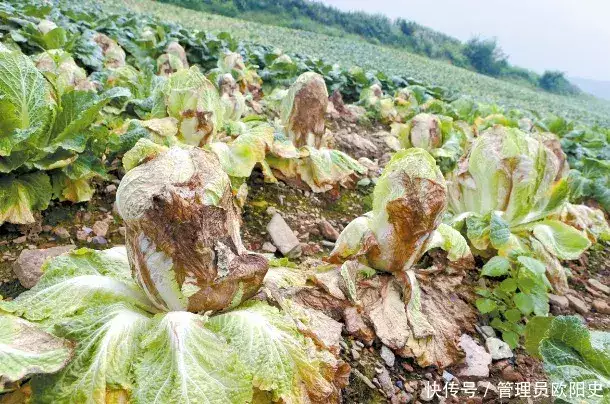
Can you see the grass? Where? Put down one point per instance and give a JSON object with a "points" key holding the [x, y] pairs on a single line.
{"points": [[353, 52]]}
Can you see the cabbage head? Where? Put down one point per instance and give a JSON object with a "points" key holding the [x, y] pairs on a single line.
{"points": [[505, 194]]}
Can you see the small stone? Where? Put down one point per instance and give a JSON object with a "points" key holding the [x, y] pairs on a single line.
{"points": [[428, 376], [359, 344], [498, 349], [355, 354], [82, 235], [47, 228], [111, 189], [597, 285], [407, 367], [388, 356], [122, 231], [427, 394], [268, 247], [283, 237], [343, 345], [560, 302], [20, 240], [365, 182], [99, 240], [327, 230], [61, 232], [271, 211], [578, 305], [327, 243], [100, 228], [386, 382], [447, 377], [488, 331], [511, 375], [601, 306], [28, 265], [477, 359]]}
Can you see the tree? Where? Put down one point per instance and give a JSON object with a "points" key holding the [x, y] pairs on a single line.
{"points": [[485, 56], [555, 82]]}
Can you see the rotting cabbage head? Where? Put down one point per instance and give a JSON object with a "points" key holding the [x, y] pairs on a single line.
{"points": [[194, 101], [408, 204], [114, 55], [61, 70], [506, 191], [183, 233], [303, 109], [172, 60]]}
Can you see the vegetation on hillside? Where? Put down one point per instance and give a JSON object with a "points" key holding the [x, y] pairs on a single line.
{"points": [[482, 55]]}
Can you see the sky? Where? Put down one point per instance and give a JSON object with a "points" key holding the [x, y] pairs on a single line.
{"points": [[568, 35]]}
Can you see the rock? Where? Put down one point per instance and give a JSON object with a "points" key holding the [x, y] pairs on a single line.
{"points": [[99, 240], [20, 240], [477, 359], [283, 237], [427, 394], [447, 377], [82, 235], [498, 349], [355, 354], [386, 382], [28, 265], [560, 302], [100, 228], [578, 305], [61, 232], [597, 285], [365, 182], [327, 230], [388, 356], [111, 189], [268, 247], [407, 367], [488, 332], [601, 306], [511, 375], [328, 244]]}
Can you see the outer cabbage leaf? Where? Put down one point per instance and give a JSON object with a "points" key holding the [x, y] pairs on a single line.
{"points": [[72, 182], [144, 150], [560, 239], [184, 362], [26, 349], [21, 196], [79, 109], [450, 240], [108, 339], [61, 70], [239, 157], [77, 280], [574, 354], [26, 105], [280, 358]]}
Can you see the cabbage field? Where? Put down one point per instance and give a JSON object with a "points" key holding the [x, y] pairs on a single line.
{"points": [[189, 214]]}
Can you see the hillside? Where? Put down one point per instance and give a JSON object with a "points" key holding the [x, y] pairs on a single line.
{"points": [[598, 88], [353, 52]]}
